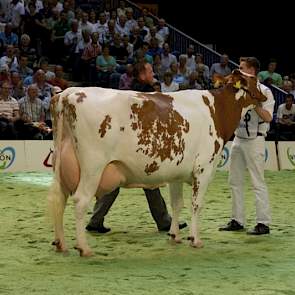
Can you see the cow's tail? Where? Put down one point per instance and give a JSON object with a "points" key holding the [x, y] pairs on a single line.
{"points": [[57, 198]]}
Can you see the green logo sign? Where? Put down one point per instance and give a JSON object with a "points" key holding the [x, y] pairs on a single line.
{"points": [[291, 156]]}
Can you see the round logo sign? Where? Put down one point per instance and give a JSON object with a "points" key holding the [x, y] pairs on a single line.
{"points": [[7, 156], [224, 157], [291, 155]]}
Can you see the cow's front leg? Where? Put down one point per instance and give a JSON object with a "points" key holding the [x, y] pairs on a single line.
{"points": [[201, 177], [176, 198]]}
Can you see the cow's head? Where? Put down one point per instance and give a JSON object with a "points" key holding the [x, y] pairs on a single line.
{"points": [[247, 90]]}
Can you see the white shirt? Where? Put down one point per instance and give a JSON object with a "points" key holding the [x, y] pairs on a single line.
{"points": [[251, 123], [283, 113], [171, 88]]}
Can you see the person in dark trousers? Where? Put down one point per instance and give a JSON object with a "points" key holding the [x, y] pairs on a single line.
{"points": [[143, 80]]}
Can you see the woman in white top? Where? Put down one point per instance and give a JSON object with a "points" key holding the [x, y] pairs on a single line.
{"points": [[168, 85]]}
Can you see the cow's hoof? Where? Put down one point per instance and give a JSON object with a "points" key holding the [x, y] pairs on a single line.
{"points": [[175, 238], [59, 247], [84, 252], [197, 244]]}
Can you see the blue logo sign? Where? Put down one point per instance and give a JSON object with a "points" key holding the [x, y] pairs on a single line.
{"points": [[224, 157], [7, 156]]}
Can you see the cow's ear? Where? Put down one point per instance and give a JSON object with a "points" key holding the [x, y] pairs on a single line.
{"points": [[218, 80]]}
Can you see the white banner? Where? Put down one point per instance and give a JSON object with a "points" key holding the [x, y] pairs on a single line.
{"points": [[271, 162], [286, 153], [12, 156], [38, 155]]}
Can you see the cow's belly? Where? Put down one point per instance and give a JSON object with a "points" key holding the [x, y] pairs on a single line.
{"points": [[115, 174]]}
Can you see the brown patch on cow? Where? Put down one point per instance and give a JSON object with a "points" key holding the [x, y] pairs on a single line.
{"points": [[105, 124], [69, 111], [195, 186], [150, 168], [210, 130], [160, 127], [216, 147], [122, 129], [81, 96], [53, 111], [216, 150]]}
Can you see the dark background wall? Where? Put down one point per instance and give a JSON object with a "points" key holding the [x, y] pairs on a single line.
{"points": [[265, 31]]}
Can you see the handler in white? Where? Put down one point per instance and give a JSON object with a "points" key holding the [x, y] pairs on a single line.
{"points": [[248, 151]]}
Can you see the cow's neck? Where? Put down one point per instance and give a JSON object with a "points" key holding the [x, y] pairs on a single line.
{"points": [[227, 111]]}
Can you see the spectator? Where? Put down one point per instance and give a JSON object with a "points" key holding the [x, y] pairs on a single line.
{"points": [[9, 113], [17, 86], [59, 80], [167, 58], [220, 68], [276, 78], [190, 58], [31, 108], [8, 37], [126, 79], [163, 30], [168, 85], [286, 117], [105, 66]]}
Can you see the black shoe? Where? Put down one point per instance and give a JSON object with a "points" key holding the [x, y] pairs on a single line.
{"points": [[233, 225], [100, 229], [259, 229], [167, 228]]}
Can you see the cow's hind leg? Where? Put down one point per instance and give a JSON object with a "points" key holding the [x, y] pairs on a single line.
{"points": [[56, 204], [201, 177], [176, 198], [82, 197]]}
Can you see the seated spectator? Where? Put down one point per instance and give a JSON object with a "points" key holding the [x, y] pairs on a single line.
{"points": [[192, 82], [9, 58], [8, 37], [59, 80], [27, 50], [135, 38], [157, 67], [168, 85], [121, 27], [121, 10], [202, 70], [84, 24], [220, 68], [44, 65], [105, 66], [182, 67], [154, 48], [131, 22], [167, 58], [5, 74], [143, 29], [9, 113], [276, 78], [17, 86], [126, 79], [178, 77], [31, 108], [119, 52], [163, 30], [157, 86], [190, 58], [286, 117], [153, 34], [148, 21], [128, 46], [22, 67]]}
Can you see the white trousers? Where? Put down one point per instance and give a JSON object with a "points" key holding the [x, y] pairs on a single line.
{"points": [[250, 154]]}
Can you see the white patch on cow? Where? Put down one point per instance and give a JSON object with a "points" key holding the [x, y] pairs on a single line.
{"points": [[240, 94]]}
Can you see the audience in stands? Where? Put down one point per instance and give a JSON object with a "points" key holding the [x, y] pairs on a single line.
{"points": [[50, 43]]}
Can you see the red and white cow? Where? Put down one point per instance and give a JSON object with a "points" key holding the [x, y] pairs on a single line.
{"points": [[106, 138]]}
